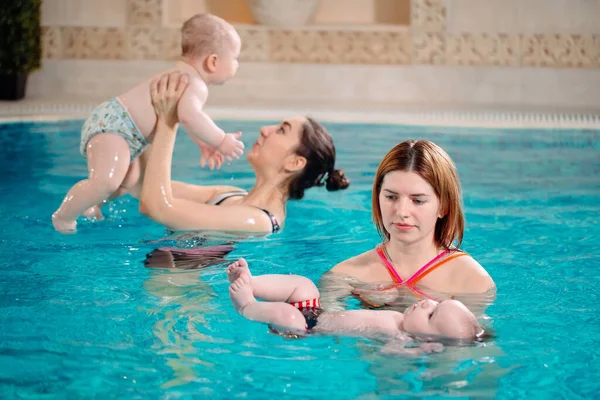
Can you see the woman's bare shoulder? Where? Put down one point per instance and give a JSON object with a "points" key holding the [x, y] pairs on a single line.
{"points": [[229, 195], [356, 263], [224, 188], [469, 275]]}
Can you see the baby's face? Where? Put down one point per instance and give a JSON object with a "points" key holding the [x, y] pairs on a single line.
{"points": [[450, 318], [228, 60]]}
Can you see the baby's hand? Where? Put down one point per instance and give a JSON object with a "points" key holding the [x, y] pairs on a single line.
{"points": [[376, 298], [398, 347], [231, 147], [430, 347]]}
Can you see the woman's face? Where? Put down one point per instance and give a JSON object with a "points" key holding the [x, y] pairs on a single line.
{"points": [[275, 147], [409, 207]]}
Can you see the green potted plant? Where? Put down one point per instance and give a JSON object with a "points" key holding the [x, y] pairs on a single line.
{"points": [[20, 45]]}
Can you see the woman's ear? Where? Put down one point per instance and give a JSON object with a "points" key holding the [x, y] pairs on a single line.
{"points": [[441, 212], [294, 163], [211, 63]]}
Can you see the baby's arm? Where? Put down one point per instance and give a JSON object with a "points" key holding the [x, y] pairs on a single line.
{"points": [[397, 347], [200, 126], [335, 288]]}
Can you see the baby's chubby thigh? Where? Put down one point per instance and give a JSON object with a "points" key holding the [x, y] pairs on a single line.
{"points": [[108, 158], [134, 179], [133, 175]]}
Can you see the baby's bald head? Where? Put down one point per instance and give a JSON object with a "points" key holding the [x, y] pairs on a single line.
{"points": [[205, 34]]}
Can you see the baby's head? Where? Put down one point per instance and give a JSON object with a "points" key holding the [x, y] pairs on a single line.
{"points": [[449, 319], [211, 45]]}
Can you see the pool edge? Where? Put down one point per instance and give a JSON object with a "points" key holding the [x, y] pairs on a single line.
{"points": [[467, 118]]}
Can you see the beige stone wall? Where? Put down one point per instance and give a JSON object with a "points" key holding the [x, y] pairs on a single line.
{"points": [[537, 33], [492, 48]]}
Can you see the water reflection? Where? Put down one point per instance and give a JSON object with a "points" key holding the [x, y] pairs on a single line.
{"points": [[185, 259], [340, 291], [457, 371], [471, 370], [186, 301]]}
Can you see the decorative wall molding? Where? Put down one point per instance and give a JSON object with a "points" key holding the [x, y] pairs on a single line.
{"points": [[372, 45]]}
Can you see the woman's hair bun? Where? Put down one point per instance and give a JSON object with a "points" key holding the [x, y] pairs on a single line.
{"points": [[337, 180]]}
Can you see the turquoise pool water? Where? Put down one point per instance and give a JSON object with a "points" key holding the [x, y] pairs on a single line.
{"points": [[82, 316]]}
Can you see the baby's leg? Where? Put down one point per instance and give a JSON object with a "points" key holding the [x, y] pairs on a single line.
{"points": [[274, 287], [277, 313], [108, 162], [129, 185], [94, 213]]}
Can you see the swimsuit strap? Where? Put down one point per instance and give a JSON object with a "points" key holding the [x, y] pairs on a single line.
{"points": [[395, 276], [422, 272], [221, 197], [392, 271], [432, 265], [413, 289], [217, 199], [418, 293], [410, 280], [274, 223], [416, 278]]}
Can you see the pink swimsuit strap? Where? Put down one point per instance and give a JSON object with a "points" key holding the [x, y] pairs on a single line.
{"points": [[417, 274], [410, 283], [392, 271]]}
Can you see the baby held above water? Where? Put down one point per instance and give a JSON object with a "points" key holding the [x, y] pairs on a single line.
{"points": [[119, 130]]}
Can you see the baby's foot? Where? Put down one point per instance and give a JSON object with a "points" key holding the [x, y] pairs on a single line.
{"points": [[63, 226], [240, 293], [236, 269], [93, 214]]}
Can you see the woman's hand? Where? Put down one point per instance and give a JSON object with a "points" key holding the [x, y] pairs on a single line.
{"points": [[376, 298], [165, 93]]}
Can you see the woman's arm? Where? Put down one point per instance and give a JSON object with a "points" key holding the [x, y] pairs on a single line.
{"points": [[334, 289], [181, 190], [157, 200], [347, 278]]}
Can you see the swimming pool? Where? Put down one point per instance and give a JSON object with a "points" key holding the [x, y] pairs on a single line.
{"points": [[81, 316]]}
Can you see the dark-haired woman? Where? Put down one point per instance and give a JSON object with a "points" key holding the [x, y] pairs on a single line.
{"points": [[287, 159]]}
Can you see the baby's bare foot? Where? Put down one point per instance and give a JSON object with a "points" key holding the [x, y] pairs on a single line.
{"points": [[93, 214], [64, 226], [240, 292], [236, 269]]}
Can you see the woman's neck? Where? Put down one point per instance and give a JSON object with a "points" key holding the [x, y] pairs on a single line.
{"points": [[410, 257], [268, 194]]}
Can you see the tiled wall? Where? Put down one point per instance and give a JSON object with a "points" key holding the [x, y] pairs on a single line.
{"points": [[149, 30], [450, 36], [538, 33]]}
